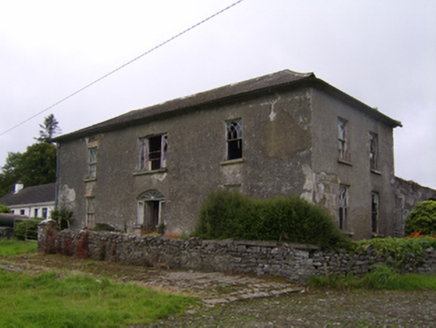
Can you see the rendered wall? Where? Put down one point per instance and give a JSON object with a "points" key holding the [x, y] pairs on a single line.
{"points": [[355, 173], [276, 161]]}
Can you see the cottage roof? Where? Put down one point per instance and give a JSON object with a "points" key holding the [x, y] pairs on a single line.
{"points": [[285, 79], [30, 195]]}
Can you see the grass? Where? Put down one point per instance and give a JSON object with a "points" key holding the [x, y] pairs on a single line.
{"points": [[11, 247], [51, 300], [380, 278], [46, 300]]}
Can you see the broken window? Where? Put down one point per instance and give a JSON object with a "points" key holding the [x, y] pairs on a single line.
{"points": [[92, 174], [343, 139], [343, 207], [90, 212], [149, 210], [234, 139], [153, 152], [375, 211], [373, 150]]}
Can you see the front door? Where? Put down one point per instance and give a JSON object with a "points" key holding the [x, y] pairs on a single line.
{"points": [[151, 215]]}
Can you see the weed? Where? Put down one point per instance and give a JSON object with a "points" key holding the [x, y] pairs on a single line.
{"points": [[380, 277], [82, 249]]}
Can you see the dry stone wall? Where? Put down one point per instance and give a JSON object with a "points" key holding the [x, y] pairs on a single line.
{"points": [[293, 261]]}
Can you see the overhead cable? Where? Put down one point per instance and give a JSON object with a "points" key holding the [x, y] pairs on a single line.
{"points": [[121, 67]]}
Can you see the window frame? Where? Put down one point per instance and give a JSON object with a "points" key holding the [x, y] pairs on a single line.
{"points": [[90, 211], [343, 143], [147, 161], [343, 207], [234, 139], [92, 162], [373, 151], [375, 214]]}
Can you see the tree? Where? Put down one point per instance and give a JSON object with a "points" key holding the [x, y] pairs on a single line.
{"points": [[8, 176], [37, 165], [49, 129]]}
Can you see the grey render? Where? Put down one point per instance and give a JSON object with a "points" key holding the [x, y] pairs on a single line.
{"points": [[289, 147]]}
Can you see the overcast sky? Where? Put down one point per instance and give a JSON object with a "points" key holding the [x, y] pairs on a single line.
{"points": [[380, 52]]}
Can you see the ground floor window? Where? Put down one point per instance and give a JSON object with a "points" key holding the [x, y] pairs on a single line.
{"points": [[375, 210], [149, 210], [90, 212], [343, 207]]}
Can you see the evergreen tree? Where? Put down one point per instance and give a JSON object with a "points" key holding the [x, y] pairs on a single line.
{"points": [[49, 129]]}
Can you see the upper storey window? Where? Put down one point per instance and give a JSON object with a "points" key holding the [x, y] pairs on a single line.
{"points": [[92, 163], [373, 151], [153, 152], [343, 140], [234, 139]]}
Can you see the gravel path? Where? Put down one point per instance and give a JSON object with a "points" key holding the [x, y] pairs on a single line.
{"points": [[319, 309]]}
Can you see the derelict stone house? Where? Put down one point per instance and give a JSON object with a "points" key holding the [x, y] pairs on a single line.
{"points": [[285, 133]]}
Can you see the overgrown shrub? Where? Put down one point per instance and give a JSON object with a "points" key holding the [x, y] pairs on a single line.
{"points": [[422, 218], [27, 229], [397, 248], [226, 214], [63, 216]]}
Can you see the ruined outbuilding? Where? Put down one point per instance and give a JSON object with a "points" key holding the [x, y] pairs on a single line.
{"points": [[285, 133]]}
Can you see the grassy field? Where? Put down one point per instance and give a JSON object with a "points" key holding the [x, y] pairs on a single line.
{"points": [[53, 300], [9, 247]]}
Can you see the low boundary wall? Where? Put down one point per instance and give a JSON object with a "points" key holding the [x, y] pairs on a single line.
{"points": [[293, 261]]}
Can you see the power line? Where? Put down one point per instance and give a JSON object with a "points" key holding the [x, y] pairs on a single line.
{"points": [[122, 66]]}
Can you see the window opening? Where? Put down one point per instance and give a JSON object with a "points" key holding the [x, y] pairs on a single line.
{"points": [[375, 210], [373, 150], [44, 212], [343, 207], [35, 213], [92, 163], [342, 138], [90, 211], [234, 139], [22, 212], [153, 152]]}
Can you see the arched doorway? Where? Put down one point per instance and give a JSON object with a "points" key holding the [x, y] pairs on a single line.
{"points": [[149, 210]]}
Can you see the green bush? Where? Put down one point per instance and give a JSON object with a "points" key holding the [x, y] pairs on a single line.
{"points": [[32, 229], [422, 218], [4, 209], [226, 214], [397, 248]]}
